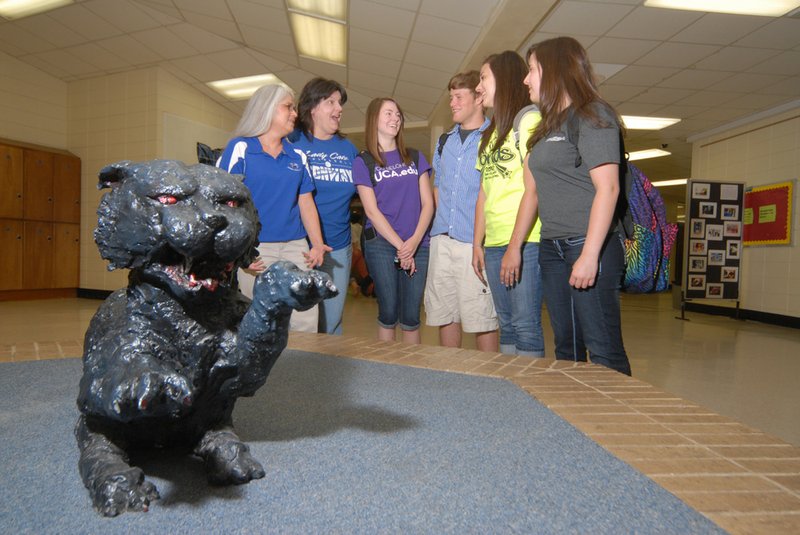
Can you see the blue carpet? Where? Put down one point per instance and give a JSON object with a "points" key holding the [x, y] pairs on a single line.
{"points": [[348, 447]]}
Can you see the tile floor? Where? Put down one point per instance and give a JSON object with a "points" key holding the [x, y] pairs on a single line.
{"points": [[712, 413]]}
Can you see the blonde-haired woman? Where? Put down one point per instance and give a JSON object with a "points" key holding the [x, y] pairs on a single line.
{"points": [[278, 179], [398, 201]]}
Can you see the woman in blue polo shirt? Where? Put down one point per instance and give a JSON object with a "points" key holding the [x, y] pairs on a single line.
{"points": [[330, 161], [278, 179]]}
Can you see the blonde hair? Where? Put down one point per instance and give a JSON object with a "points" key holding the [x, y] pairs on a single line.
{"points": [[257, 116]]}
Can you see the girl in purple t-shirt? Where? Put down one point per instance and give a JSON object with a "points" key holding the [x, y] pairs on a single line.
{"points": [[398, 201]]}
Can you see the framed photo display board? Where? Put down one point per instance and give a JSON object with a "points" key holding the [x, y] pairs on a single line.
{"points": [[714, 212]]}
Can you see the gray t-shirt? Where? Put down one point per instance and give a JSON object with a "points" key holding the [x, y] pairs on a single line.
{"points": [[566, 192]]}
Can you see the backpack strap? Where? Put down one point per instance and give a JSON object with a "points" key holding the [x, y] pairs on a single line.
{"points": [[518, 118], [369, 161], [414, 153], [441, 142]]}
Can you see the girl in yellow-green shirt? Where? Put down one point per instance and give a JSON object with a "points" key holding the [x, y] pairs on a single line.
{"points": [[508, 253]]}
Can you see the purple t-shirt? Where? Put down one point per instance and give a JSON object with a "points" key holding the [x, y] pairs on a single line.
{"points": [[397, 191]]}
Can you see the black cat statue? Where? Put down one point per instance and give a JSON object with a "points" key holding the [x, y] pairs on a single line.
{"points": [[166, 357]]}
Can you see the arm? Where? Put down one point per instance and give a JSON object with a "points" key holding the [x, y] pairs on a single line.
{"points": [[409, 247], [479, 233], [310, 218], [606, 183], [526, 216], [435, 198]]}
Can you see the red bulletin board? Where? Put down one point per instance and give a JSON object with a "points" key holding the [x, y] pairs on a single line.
{"points": [[768, 214]]}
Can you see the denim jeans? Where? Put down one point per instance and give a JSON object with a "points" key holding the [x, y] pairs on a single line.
{"points": [[587, 319], [337, 265], [519, 307], [399, 296]]}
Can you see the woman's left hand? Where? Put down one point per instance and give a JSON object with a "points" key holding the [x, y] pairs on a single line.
{"points": [[511, 267], [316, 255], [584, 272], [408, 249]]}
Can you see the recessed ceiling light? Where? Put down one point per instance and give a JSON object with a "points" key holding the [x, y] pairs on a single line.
{"points": [[675, 182], [329, 9], [319, 39], [765, 8], [634, 122], [16, 9], [645, 154], [242, 88]]}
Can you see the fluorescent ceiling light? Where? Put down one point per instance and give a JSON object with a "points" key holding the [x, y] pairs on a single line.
{"points": [[676, 182], [765, 8], [242, 88], [329, 9], [645, 154], [633, 122], [319, 39], [16, 9]]}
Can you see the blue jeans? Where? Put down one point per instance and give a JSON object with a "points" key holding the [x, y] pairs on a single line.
{"points": [[519, 307], [399, 296], [586, 319], [337, 265]]}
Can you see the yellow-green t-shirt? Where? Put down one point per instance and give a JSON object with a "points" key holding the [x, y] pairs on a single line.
{"points": [[501, 177]]}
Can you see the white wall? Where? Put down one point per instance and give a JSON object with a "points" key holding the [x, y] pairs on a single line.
{"points": [[760, 153], [33, 105]]}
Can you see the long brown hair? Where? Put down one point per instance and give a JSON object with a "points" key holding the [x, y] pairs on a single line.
{"points": [[565, 73], [371, 131], [510, 95]]}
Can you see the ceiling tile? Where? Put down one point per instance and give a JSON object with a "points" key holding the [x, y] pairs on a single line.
{"points": [[720, 29], [379, 44], [425, 76], [209, 8], [682, 111], [164, 42], [413, 110], [638, 75], [613, 50], [434, 57], [270, 63], [164, 11], [374, 64], [735, 58], [46, 67], [199, 68], [781, 33], [323, 69], [371, 84], [787, 63], [709, 98], [636, 108], [50, 30], [236, 63], [125, 15], [662, 95], [789, 87], [130, 50], [653, 23], [418, 92], [746, 82], [411, 5], [392, 21], [23, 40], [694, 79], [201, 39], [444, 33], [466, 11], [86, 23], [584, 18], [680, 55], [618, 93], [757, 101], [260, 40], [258, 16], [74, 65], [224, 28], [585, 40], [98, 56]]}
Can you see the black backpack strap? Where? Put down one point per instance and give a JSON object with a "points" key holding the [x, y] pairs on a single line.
{"points": [[369, 161], [574, 134], [414, 153], [442, 141]]}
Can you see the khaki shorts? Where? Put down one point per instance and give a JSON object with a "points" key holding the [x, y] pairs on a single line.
{"points": [[292, 251], [453, 293]]}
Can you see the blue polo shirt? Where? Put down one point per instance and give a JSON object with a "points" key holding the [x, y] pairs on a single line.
{"points": [[274, 183], [330, 162], [458, 183]]}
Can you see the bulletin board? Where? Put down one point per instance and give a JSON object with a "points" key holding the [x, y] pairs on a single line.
{"points": [[713, 240], [768, 214]]}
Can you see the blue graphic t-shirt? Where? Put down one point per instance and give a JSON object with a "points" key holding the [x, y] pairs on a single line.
{"points": [[330, 163]]}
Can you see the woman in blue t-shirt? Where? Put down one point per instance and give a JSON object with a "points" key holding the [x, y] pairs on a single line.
{"points": [[398, 201], [276, 174], [330, 162]]}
